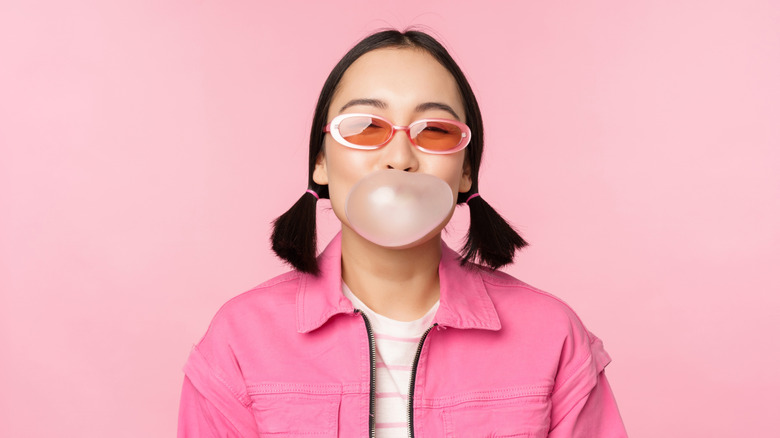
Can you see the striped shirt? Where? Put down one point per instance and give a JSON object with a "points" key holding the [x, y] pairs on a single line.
{"points": [[396, 346]]}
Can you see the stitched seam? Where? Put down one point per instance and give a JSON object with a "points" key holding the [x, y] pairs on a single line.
{"points": [[332, 402], [299, 300], [515, 283], [580, 366], [518, 283], [285, 433], [573, 373], [288, 388], [321, 321], [490, 402], [496, 395], [574, 405], [240, 396], [329, 399], [284, 278]]}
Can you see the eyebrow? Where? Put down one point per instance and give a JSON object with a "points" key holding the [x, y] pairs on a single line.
{"points": [[369, 102], [437, 105], [419, 108]]}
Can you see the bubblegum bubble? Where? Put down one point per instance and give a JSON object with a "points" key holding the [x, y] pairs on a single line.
{"points": [[393, 208]]}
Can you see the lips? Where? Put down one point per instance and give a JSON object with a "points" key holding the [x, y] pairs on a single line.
{"points": [[392, 208]]}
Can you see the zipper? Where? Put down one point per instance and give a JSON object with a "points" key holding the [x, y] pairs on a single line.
{"points": [[412, 379], [372, 400]]}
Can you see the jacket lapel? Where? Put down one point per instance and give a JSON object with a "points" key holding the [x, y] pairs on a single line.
{"points": [[464, 301], [320, 297]]}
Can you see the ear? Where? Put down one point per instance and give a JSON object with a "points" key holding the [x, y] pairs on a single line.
{"points": [[465, 178], [320, 175]]}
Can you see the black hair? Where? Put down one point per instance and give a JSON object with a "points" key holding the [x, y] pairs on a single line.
{"points": [[491, 241]]}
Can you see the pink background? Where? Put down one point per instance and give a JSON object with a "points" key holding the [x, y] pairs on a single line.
{"points": [[147, 145]]}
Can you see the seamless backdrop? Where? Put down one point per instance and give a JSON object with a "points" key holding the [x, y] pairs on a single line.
{"points": [[145, 147]]}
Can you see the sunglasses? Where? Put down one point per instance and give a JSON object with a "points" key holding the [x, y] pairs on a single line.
{"points": [[368, 132]]}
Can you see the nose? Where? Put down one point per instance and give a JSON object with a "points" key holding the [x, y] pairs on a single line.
{"points": [[400, 153]]}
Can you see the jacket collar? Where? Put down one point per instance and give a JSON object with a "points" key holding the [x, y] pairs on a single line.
{"points": [[464, 301]]}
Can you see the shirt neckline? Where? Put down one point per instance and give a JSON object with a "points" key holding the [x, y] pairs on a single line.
{"points": [[423, 320]]}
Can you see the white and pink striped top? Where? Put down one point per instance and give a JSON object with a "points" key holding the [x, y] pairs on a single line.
{"points": [[396, 346]]}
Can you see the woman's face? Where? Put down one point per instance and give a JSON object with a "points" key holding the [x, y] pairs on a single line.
{"points": [[401, 85]]}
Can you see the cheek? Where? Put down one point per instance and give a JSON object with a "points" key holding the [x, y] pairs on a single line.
{"points": [[449, 169], [344, 166]]}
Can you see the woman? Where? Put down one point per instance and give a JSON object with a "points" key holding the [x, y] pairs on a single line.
{"points": [[399, 337]]}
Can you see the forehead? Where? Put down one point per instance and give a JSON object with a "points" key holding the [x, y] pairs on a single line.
{"points": [[401, 77]]}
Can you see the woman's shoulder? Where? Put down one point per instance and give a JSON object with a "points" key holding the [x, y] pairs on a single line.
{"points": [[518, 301], [282, 287], [270, 301], [499, 283], [525, 309]]}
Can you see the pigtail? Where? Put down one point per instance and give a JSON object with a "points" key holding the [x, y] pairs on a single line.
{"points": [[294, 238], [491, 241]]}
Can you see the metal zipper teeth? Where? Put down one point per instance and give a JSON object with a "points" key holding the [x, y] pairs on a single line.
{"points": [[372, 400], [410, 401]]}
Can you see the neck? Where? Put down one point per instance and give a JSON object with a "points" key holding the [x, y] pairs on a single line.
{"points": [[401, 284]]}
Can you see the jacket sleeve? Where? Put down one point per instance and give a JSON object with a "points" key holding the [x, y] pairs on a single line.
{"points": [[213, 404], [583, 404], [198, 417]]}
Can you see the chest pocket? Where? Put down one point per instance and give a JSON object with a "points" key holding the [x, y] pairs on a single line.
{"points": [[296, 415], [526, 416]]}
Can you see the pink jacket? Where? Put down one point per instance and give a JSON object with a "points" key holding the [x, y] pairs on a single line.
{"points": [[292, 358]]}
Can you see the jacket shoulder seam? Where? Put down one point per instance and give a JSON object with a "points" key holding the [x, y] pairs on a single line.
{"points": [[280, 279], [494, 280]]}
